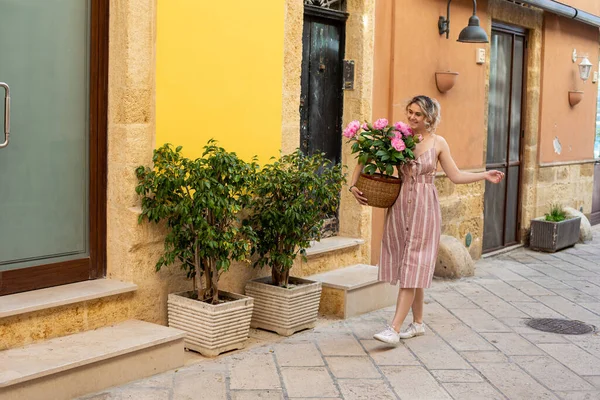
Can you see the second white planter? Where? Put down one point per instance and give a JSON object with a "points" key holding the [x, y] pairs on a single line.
{"points": [[284, 310]]}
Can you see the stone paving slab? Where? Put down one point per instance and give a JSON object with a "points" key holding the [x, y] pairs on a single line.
{"points": [[473, 391], [476, 345]]}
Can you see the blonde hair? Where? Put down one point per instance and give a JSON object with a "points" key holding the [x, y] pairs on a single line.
{"points": [[431, 109]]}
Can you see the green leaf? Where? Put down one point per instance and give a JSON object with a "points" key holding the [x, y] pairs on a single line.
{"points": [[389, 170]]}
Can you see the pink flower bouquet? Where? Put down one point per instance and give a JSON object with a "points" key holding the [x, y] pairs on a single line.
{"points": [[381, 147]]}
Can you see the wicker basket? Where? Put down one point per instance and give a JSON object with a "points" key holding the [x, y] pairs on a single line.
{"points": [[381, 191]]}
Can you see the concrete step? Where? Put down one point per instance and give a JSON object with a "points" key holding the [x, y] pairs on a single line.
{"points": [[353, 290], [87, 362]]}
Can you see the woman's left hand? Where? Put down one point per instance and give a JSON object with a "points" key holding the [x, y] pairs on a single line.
{"points": [[494, 176]]}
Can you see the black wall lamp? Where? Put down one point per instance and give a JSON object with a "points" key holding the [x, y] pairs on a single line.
{"points": [[473, 33]]}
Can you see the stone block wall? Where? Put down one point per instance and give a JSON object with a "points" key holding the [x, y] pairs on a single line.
{"points": [[462, 212], [567, 185]]}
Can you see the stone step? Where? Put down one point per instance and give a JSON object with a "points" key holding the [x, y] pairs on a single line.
{"points": [[327, 254], [353, 290], [87, 362]]}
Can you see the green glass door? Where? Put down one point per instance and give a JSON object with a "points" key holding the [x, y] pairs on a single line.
{"points": [[45, 161]]}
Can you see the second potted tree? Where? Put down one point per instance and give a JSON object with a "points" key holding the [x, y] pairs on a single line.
{"points": [[293, 196]]}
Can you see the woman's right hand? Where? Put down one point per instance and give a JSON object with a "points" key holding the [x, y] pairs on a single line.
{"points": [[359, 196]]}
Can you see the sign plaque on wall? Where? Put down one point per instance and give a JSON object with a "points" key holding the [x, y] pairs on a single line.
{"points": [[348, 74]]}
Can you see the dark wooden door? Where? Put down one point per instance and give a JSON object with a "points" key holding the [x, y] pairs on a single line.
{"points": [[595, 217], [501, 204], [321, 95]]}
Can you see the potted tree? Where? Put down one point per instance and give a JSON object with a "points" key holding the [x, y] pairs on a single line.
{"points": [[200, 200], [293, 196], [554, 231]]}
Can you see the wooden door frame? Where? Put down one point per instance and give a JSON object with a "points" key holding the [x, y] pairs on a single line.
{"points": [[523, 32], [93, 266]]}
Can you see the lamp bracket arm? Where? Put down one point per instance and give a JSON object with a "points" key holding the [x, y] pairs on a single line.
{"points": [[444, 23]]}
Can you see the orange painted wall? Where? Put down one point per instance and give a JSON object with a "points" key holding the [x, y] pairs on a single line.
{"points": [[419, 51], [573, 126], [382, 62]]}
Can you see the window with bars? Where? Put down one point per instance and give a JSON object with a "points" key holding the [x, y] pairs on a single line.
{"points": [[338, 5]]}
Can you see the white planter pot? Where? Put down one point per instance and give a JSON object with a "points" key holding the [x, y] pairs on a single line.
{"points": [[211, 329], [284, 310]]}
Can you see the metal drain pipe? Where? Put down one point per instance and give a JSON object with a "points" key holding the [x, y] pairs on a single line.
{"points": [[565, 11]]}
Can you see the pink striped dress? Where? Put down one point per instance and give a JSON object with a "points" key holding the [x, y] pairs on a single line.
{"points": [[412, 230]]}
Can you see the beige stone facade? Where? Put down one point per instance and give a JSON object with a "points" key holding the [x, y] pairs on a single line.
{"points": [[132, 248], [569, 185]]}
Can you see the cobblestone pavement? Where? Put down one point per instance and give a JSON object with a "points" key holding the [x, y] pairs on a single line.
{"points": [[477, 345]]}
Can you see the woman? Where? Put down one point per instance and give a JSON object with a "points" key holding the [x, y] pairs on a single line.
{"points": [[413, 224]]}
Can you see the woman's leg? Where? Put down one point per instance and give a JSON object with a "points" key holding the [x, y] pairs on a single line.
{"points": [[417, 305], [406, 298]]}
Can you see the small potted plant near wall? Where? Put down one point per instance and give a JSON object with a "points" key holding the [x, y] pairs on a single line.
{"points": [[293, 196], [200, 200], [554, 231]]}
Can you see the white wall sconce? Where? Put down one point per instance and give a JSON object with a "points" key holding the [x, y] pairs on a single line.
{"points": [[585, 67]]}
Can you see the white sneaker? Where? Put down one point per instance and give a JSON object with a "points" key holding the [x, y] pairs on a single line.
{"points": [[412, 330], [388, 335]]}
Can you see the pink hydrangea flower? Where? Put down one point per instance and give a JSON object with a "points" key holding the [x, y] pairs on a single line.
{"points": [[398, 144], [380, 124], [352, 129], [365, 127], [403, 128]]}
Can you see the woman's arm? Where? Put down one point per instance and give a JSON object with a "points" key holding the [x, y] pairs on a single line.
{"points": [[353, 189], [357, 170], [456, 175]]}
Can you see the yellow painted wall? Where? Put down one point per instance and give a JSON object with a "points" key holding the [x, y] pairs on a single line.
{"points": [[219, 75]]}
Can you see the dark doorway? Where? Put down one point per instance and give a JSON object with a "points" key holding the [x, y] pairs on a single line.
{"points": [[501, 206], [321, 98]]}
